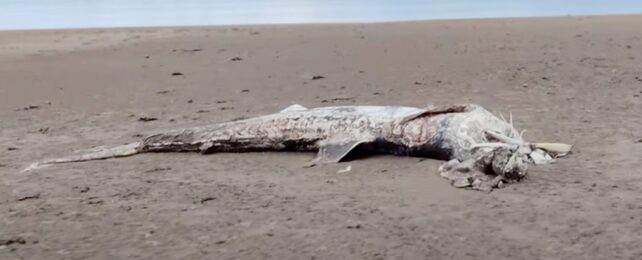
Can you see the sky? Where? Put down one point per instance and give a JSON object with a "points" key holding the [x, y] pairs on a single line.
{"points": [[49, 14]]}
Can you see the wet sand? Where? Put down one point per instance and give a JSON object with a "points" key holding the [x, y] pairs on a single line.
{"points": [[569, 79]]}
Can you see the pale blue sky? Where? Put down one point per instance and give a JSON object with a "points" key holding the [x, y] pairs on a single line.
{"points": [[40, 14]]}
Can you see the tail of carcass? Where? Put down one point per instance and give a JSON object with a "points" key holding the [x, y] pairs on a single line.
{"points": [[106, 153]]}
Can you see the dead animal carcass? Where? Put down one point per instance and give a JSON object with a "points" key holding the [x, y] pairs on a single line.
{"points": [[483, 151]]}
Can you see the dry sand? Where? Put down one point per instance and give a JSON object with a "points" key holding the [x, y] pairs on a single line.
{"points": [[571, 79]]}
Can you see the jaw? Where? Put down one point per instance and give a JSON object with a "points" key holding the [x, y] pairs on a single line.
{"points": [[487, 170], [495, 164]]}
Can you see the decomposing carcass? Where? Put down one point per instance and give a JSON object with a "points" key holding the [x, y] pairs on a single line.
{"points": [[482, 151]]}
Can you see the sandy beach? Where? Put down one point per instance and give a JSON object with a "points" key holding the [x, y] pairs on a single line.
{"points": [[568, 79]]}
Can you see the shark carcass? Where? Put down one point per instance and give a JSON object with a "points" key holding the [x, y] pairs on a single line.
{"points": [[482, 151]]}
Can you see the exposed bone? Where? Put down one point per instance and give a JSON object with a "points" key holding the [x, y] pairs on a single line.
{"points": [[502, 117], [539, 156], [504, 138], [521, 134], [559, 148], [490, 145]]}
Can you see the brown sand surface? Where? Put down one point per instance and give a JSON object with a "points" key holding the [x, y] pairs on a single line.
{"points": [[570, 79]]}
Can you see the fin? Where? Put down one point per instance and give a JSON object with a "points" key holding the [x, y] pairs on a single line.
{"points": [[432, 110], [292, 108], [118, 151], [335, 149], [205, 147]]}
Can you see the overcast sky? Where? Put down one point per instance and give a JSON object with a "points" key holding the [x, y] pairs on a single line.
{"points": [[39, 14]]}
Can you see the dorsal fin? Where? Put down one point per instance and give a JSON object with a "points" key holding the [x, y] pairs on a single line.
{"points": [[295, 107], [432, 110]]}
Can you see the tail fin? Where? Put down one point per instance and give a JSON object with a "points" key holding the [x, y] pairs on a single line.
{"points": [[118, 151]]}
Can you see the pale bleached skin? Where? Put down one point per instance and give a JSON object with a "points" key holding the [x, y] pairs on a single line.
{"points": [[447, 133]]}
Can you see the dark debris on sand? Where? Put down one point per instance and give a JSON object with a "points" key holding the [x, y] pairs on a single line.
{"points": [[29, 107], [147, 119]]}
